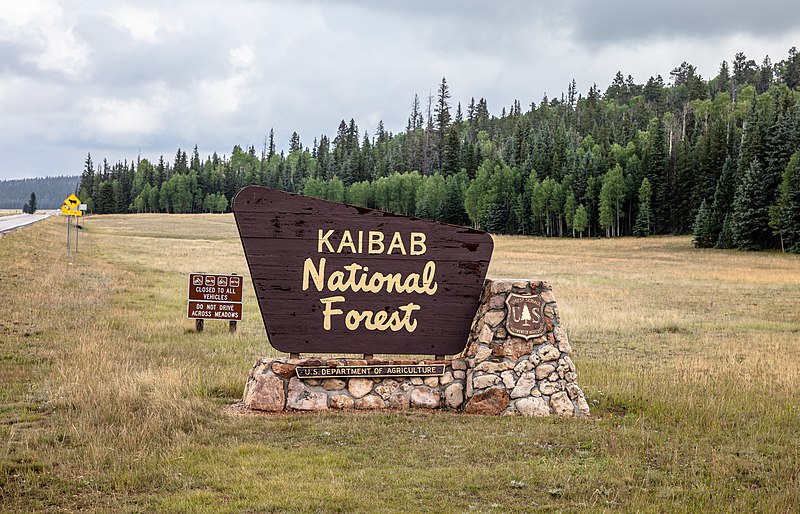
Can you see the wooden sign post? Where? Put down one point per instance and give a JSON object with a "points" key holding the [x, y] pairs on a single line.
{"points": [[333, 278]]}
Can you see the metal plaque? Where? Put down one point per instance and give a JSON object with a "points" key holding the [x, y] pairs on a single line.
{"points": [[525, 315], [377, 371]]}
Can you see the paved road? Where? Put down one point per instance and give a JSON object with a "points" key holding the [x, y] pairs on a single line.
{"points": [[20, 220]]}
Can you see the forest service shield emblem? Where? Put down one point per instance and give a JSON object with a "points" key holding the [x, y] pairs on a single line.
{"points": [[525, 315]]}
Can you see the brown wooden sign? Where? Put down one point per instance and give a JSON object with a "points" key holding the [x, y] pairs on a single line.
{"points": [[333, 278], [525, 315]]}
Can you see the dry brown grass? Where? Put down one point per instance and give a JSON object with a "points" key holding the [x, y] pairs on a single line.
{"points": [[110, 401]]}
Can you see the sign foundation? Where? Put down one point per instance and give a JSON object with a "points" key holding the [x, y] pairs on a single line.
{"points": [[497, 373]]}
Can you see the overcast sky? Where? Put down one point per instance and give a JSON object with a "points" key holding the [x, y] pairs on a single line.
{"points": [[119, 79]]}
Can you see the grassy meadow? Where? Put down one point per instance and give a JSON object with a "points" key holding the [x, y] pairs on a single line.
{"points": [[111, 402]]}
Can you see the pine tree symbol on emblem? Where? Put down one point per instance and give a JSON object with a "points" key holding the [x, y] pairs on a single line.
{"points": [[526, 316]]}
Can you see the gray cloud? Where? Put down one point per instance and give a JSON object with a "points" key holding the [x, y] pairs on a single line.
{"points": [[624, 21], [117, 78]]}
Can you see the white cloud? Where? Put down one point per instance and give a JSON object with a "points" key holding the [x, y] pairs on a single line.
{"points": [[219, 96], [43, 30], [29, 11], [61, 52], [142, 25], [146, 25], [112, 120], [242, 57]]}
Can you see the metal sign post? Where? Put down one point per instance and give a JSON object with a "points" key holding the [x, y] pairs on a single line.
{"points": [[78, 228], [70, 208]]}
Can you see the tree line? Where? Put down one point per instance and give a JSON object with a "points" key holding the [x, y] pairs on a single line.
{"points": [[50, 191], [717, 158]]}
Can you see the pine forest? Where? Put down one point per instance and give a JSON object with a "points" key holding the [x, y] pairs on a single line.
{"points": [[718, 158]]}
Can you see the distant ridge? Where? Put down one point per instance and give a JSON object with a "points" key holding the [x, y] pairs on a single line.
{"points": [[50, 191]]}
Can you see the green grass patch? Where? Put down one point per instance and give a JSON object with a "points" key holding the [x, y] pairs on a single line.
{"points": [[111, 402]]}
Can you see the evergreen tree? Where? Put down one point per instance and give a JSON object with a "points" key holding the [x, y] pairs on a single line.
{"points": [[452, 151], [294, 143], [655, 169], [442, 112], [723, 203], [271, 147], [750, 216], [752, 147], [789, 204], [87, 177], [104, 204], [32, 207], [645, 214], [765, 75], [721, 84], [725, 239], [790, 69], [779, 147], [700, 230]]}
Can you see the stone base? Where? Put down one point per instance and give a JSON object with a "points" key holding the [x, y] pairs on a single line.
{"points": [[514, 375], [273, 386], [497, 373]]}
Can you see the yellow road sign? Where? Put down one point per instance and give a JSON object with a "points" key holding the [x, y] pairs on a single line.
{"points": [[69, 212], [71, 203]]}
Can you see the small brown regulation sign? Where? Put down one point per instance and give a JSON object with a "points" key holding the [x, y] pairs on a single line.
{"points": [[215, 297]]}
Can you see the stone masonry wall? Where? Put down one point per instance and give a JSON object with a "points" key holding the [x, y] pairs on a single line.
{"points": [[512, 375], [497, 374], [273, 386]]}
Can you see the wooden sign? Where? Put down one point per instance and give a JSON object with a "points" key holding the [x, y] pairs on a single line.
{"points": [[333, 278], [215, 297]]}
